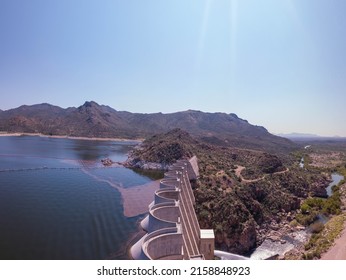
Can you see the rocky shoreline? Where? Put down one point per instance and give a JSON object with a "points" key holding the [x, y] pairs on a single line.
{"points": [[145, 165], [135, 162]]}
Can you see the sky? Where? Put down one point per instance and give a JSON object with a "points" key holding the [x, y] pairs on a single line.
{"points": [[278, 64]]}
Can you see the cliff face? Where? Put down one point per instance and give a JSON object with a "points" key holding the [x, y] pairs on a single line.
{"points": [[94, 120]]}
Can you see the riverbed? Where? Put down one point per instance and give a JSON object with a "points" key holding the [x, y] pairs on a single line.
{"points": [[290, 241]]}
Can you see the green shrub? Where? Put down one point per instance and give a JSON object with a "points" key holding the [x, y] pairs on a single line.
{"points": [[294, 223], [305, 208], [306, 219], [317, 227]]}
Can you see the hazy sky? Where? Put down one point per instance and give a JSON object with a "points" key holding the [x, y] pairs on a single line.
{"points": [[280, 64]]}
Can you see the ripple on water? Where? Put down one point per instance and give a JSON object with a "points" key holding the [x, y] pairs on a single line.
{"points": [[60, 214], [269, 248]]}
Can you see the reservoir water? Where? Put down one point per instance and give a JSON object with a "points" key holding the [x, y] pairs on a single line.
{"points": [[57, 201]]}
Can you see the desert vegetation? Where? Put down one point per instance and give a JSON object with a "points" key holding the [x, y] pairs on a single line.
{"points": [[323, 158], [240, 211]]}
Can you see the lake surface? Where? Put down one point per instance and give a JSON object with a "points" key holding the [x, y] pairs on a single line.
{"points": [[57, 201]]}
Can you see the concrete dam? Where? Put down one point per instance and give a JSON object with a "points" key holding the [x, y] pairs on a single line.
{"points": [[172, 229]]}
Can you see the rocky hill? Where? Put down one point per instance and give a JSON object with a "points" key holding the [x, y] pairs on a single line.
{"points": [[94, 120], [162, 150]]}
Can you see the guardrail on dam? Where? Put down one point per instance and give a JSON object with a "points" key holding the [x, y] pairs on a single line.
{"points": [[173, 232]]}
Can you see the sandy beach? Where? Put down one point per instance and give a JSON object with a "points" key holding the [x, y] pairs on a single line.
{"points": [[5, 134]]}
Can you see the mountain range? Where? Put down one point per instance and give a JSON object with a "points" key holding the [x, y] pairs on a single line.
{"points": [[94, 120], [295, 135], [304, 137]]}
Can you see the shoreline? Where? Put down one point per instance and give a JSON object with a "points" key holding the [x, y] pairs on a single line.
{"points": [[16, 134]]}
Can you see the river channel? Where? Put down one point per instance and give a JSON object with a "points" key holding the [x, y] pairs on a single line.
{"points": [[269, 248]]}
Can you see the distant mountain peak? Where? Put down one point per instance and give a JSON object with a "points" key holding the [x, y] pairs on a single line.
{"points": [[90, 104], [193, 111]]}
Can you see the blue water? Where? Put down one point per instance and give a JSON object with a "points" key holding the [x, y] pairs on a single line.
{"points": [[55, 202], [336, 179]]}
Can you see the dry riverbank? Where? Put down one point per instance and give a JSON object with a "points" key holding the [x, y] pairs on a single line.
{"points": [[5, 134]]}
